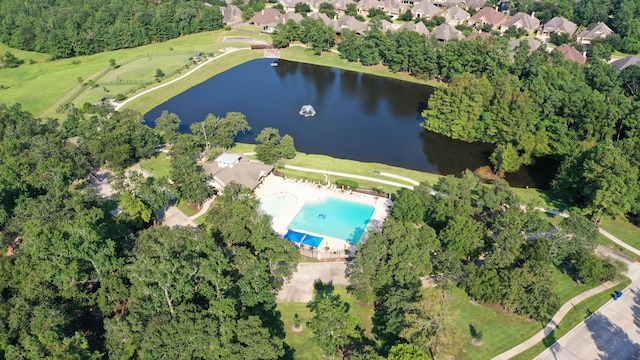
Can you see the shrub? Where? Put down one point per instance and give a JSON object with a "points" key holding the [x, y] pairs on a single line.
{"points": [[347, 183]]}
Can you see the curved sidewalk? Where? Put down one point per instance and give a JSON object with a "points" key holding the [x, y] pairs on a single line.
{"points": [[540, 335]]}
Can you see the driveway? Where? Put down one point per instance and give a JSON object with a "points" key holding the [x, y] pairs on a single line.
{"points": [[300, 287], [613, 332]]}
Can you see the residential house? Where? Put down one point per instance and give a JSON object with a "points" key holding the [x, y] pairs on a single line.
{"points": [[515, 44], [419, 27], [558, 25], [231, 14], [624, 63], [394, 8], [455, 15], [290, 5], [290, 16], [570, 53], [363, 6], [475, 4], [487, 15], [351, 23], [480, 34], [425, 9], [341, 6], [598, 31], [266, 19], [325, 19], [446, 32], [233, 167], [522, 21]]}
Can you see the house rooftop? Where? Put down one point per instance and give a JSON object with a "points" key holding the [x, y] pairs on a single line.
{"points": [[599, 30], [560, 25], [524, 21], [446, 32], [244, 172], [624, 63], [570, 53], [489, 16]]}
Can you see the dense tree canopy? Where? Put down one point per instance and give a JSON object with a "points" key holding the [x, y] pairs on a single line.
{"points": [[77, 27]]}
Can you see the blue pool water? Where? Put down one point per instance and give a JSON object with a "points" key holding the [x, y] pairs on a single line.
{"points": [[334, 217]]}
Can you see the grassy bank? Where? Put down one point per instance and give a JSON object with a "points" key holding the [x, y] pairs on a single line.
{"points": [[576, 315], [623, 230], [331, 59]]}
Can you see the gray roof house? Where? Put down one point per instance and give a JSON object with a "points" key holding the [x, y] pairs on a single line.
{"points": [[266, 19], [425, 9], [325, 19], [231, 14], [446, 32], [341, 5], [559, 25], [455, 15], [624, 63], [533, 44], [290, 16], [351, 23], [522, 21], [419, 27], [475, 4], [598, 31], [233, 167]]}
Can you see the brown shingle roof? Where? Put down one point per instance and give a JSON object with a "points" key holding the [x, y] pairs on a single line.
{"points": [[487, 15], [559, 25], [570, 53]]}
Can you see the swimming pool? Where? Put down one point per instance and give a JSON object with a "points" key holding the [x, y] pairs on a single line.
{"points": [[279, 204], [334, 217]]}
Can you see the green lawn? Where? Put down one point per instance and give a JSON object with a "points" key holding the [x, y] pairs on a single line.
{"points": [[302, 342], [500, 331], [606, 242], [572, 319], [42, 86], [623, 230], [492, 321], [185, 209], [159, 165]]}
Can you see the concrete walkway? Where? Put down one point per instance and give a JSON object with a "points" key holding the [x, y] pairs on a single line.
{"points": [[634, 274], [540, 335], [205, 208], [121, 104], [360, 177], [619, 242]]}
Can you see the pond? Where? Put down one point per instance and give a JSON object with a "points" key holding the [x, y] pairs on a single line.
{"points": [[357, 116]]}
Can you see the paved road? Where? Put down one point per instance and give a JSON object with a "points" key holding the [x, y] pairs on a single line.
{"points": [[612, 332], [300, 287]]}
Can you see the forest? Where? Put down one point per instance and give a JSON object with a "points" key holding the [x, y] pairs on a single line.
{"points": [[82, 281], [71, 28]]}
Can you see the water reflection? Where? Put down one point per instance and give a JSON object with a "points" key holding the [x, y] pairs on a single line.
{"points": [[359, 116]]}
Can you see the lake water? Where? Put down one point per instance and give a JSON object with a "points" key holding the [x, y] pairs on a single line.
{"points": [[358, 116]]}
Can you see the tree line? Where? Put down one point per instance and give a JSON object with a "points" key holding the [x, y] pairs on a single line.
{"points": [[71, 28], [80, 281]]}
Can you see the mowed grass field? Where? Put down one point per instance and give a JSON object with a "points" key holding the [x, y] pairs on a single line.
{"points": [[40, 87]]}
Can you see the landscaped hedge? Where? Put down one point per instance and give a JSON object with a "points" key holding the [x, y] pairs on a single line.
{"points": [[347, 183]]}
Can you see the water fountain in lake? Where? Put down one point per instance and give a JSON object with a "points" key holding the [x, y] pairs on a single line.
{"points": [[307, 110]]}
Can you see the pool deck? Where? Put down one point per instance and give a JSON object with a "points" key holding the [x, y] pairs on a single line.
{"points": [[306, 192]]}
